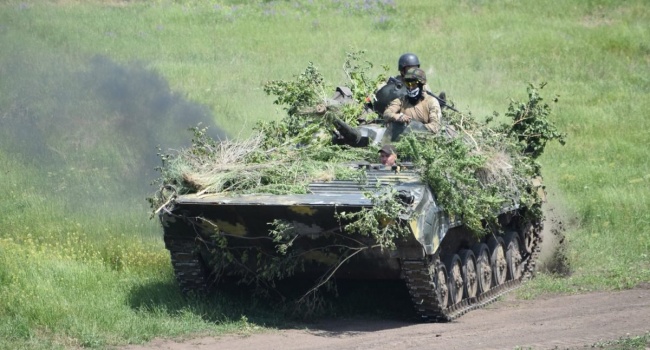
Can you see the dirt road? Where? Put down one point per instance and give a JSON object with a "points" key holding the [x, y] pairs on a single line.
{"points": [[559, 322]]}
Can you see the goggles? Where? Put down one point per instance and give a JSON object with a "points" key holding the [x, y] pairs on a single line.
{"points": [[411, 83]]}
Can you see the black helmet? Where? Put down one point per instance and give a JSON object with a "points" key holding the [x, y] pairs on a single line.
{"points": [[407, 60]]}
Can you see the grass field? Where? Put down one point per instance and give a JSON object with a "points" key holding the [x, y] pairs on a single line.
{"points": [[90, 89]]}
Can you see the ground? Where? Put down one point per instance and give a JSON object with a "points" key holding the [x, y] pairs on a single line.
{"points": [[555, 322]]}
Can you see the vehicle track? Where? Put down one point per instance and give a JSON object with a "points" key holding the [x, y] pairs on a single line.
{"points": [[427, 295]]}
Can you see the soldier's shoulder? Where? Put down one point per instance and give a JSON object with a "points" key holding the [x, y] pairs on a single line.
{"points": [[431, 98]]}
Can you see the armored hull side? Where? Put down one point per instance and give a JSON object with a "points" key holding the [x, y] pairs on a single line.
{"points": [[448, 270], [195, 223]]}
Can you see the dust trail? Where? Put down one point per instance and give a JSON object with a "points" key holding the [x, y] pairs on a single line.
{"points": [[557, 219]]}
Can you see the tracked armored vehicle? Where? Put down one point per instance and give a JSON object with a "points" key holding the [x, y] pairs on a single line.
{"points": [[448, 269]]}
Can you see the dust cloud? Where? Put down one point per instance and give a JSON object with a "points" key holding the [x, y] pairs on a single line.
{"points": [[553, 255]]}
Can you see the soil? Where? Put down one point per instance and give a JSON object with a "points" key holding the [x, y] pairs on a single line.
{"points": [[554, 322]]}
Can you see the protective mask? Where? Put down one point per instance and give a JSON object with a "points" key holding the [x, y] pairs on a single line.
{"points": [[413, 93]]}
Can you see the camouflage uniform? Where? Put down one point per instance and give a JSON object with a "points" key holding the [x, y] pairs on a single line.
{"points": [[427, 111]]}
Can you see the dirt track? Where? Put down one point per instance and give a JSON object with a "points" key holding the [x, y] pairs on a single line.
{"points": [[559, 322]]}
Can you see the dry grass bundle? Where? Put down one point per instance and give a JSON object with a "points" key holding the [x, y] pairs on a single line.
{"points": [[496, 169], [246, 166]]}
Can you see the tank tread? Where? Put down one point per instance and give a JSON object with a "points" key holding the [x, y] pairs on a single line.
{"points": [[419, 276], [189, 268]]}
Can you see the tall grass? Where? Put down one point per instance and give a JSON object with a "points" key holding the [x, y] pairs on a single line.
{"points": [[88, 89]]}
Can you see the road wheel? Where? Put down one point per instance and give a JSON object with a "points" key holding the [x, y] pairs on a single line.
{"points": [[498, 260], [513, 257], [470, 277], [483, 268], [442, 285], [528, 238], [455, 271]]}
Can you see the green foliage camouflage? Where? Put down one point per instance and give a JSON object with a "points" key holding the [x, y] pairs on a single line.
{"points": [[281, 157], [475, 168]]}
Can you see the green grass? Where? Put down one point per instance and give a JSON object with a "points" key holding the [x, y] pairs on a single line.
{"points": [[88, 89], [640, 342]]}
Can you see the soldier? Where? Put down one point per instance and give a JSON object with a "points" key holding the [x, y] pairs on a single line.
{"points": [[394, 86], [388, 155], [406, 61], [416, 104]]}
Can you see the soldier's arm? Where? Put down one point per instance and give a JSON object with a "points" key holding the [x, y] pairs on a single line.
{"points": [[392, 112], [435, 115]]}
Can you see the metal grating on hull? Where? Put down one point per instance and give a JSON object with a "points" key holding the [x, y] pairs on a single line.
{"points": [[374, 179]]}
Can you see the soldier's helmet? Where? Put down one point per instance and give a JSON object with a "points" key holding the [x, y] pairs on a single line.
{"points": [[408, 60], [416, 74]]}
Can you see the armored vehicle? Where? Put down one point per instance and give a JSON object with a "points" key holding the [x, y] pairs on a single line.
{"points": [[448, 269]]}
